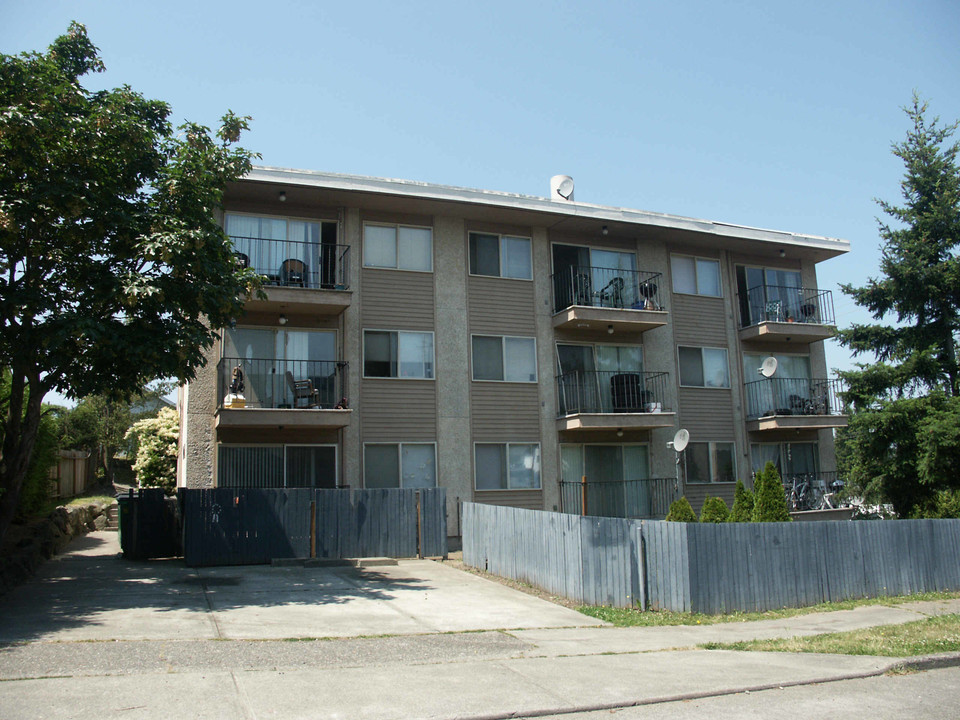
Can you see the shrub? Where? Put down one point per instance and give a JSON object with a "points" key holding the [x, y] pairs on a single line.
{"points": [[714, 510], [681, 511], [156, 464], [770, 501], [742, 504]]}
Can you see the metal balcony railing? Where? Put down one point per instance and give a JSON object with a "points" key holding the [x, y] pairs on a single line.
{"points": [[778, 303], [294, 263], [611, 391], [647, 498], [272, 383], [606, 287], [812, 490], [793, 396]]}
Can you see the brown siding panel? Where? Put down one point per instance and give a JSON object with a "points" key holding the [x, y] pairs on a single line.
{"points": [[394, 299], [529, 499], [698, 492], [505, 412], [707, 414], [399, 410], [501, 307], [699, 321]]}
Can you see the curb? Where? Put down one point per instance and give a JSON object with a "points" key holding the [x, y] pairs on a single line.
{"points": [[914, 664]]}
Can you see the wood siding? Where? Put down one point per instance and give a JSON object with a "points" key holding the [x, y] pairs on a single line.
{"points": [[399, 410], [501, 307], [397, 300], [529, 499], [505, 412]]}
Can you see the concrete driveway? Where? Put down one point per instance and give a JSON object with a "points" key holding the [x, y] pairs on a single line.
{"points": [[91, 593]]}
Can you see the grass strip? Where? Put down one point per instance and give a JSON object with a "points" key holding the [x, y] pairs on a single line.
{"points": [[631, 617]]}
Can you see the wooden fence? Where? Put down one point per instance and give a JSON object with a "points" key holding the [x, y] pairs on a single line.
{"points": [[69, 476], [711, 568], [234, 526]]}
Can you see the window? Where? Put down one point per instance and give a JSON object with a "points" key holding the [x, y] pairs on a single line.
{"points": [[398, 246], [790, 458], [399, 465], [709, 462], [507, 466], [511, 359], [695, 276], [389, 354], [703, 367], [277, 466], [500, 256], [775, 295]]}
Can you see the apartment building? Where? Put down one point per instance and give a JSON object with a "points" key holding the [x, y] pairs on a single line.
{"points": [[507, 346]]}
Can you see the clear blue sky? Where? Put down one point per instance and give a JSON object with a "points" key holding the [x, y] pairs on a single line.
{"points": [[763, 113]]}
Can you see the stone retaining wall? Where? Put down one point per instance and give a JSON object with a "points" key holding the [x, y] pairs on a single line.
{"points": [[27, 546]]}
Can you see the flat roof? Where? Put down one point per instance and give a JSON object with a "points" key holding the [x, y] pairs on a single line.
{"points": [[827, 246]]}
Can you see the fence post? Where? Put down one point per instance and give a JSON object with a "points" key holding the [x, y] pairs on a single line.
{"points": [[583, 496], [313, 528], [419, 530]]}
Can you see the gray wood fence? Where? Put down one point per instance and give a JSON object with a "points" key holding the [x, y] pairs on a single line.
{"points": [[711, 568], [233, 526]]}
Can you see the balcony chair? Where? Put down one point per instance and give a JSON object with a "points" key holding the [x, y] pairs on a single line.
{"points": [[293, 272], [612, 294], [304, 394]]}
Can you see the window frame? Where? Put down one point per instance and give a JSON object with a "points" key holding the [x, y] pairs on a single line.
{"points": [[503, 358], [399, 445], [433, 354], [701, 348], [396, 227], [712, 461], [696, 275], [538, 458], [500, 254]]}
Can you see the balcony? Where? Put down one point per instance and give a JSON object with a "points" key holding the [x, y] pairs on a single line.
{"points": [[612, 400], [794, 404], [301, 276], [812, 490], [289, 393], [648, 498], [788, 314], [596, 299]]}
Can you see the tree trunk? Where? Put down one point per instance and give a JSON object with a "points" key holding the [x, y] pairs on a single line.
{"points": [[20, 436]]}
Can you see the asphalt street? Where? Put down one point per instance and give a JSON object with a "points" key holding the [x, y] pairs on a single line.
{"points": [[95, 636]]}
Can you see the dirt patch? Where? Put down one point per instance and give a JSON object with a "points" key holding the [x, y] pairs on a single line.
{"points": [[455, 560]]}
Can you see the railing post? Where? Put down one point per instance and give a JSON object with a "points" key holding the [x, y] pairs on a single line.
{"points": [[583, 496]]}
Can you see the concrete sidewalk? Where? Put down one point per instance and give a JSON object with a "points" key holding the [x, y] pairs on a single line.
{"points": [[161, 648]]}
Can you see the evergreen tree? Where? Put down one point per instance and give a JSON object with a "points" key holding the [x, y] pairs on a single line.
{"points": [[714, 510], [742, 504], [903, 442], [770, 500], [681, 511]]}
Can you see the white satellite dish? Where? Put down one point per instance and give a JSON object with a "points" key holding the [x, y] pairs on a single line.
{"points": [[565, 189], [681, 439], [768, 367]]}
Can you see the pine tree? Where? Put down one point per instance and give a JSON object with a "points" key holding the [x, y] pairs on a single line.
{"points": [[770, 500], [903, 442], [681, 511], [714, 510], [742, 504]]}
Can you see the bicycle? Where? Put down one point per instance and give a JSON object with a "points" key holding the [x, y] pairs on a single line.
{"points": [[806, 493]]}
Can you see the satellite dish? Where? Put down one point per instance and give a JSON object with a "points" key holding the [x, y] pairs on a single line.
{"points": [[681, 439], [565, 189], [768, 367]]}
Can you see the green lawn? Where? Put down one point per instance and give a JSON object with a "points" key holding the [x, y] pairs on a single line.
{"points": [[922, 637], [627, 617]]}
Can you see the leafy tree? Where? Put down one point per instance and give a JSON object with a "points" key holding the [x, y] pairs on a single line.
{"points": [[714, 510], [742, 504], [770, 500], [156, 464], [113, 270], [681, 511], [903, 442]]}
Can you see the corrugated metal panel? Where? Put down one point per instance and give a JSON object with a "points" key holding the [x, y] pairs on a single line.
{"points": [[397, 300], [399, 410], [529, 499], [505, 412], [501, 307], [699, 321]]}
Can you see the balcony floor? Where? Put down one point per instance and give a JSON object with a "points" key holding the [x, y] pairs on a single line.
{"points": [[282, 417], [769, 331], [615, 421], [796, 422], [301, 300], [598, 319]]}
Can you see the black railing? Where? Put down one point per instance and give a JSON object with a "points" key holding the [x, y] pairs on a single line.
{"points": [[296, 264], [647, 498], [606, 287], [780, 303], [612, 391], [812, 490], [793, 396], [271, 383]]}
